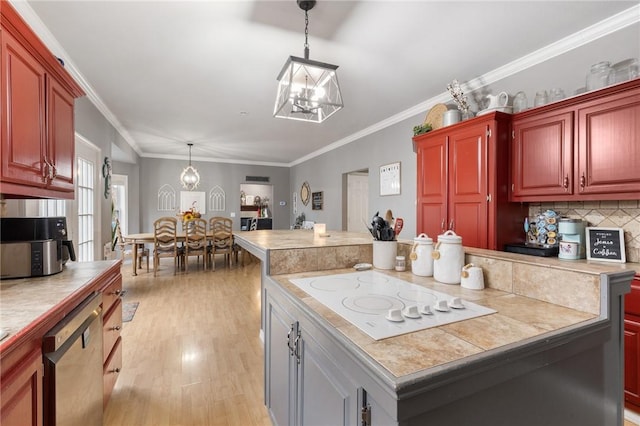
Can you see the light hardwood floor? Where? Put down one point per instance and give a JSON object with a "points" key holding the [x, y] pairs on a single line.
{"points": [[192, 354]]}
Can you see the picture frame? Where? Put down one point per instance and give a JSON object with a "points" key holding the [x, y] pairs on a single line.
{"points": [[605, 244], [317, 200], [390, 179]]}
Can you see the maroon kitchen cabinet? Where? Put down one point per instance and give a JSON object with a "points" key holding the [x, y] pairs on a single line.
{"points": [[542, 154], [37, 115], [463, 174], [582, 148], [111, 340], [632, 347], [608, 149], [22, 393]]}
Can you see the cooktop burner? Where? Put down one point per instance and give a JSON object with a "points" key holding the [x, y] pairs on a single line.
{"points": [[383, 306]]}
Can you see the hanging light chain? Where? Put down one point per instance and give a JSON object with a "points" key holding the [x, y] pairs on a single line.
{"points": [[306, 34]]}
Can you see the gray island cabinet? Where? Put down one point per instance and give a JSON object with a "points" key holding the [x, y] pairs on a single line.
{"points": [[552, 354]]}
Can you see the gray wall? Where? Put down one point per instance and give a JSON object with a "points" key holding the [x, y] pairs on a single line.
{"points": [[156, 172], [324, 173]]}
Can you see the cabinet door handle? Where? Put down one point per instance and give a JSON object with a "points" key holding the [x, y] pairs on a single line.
{"points": [[442, 225], [565, 183], [289, 340], [296, 350], [451, 223], [583, 181]]}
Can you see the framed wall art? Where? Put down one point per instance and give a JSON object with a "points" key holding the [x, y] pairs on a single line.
{"points": [[317, 200], [606, 244], [390, 179]]}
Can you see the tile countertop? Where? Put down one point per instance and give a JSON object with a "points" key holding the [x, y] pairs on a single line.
{"points": [[301, 238], [517, 320], [26, 301]]}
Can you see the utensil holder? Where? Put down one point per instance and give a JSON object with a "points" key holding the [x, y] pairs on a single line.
{"points": [[384, 254]]}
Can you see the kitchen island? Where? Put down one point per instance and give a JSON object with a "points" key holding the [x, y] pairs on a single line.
{"points": [[551, 354]]}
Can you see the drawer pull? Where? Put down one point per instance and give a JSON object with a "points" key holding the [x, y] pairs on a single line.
{"points": [[115, 370], [116, 328]]}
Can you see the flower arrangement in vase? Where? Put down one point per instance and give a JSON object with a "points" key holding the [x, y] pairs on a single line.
{"points": [[190, 214], [460, 99]]}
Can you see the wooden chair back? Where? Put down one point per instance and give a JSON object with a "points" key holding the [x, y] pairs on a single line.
{"points": [[143, 252], [196, 240], [165, 242], [222, 237]]}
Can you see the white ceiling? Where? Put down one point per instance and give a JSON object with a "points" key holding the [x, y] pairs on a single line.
{"points": [[170, 72]]}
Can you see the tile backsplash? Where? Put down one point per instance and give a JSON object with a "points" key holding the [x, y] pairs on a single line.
{"points": [[609, 214]]}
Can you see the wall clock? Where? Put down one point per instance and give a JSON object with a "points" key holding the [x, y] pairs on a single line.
{"points": [[305, 193]]}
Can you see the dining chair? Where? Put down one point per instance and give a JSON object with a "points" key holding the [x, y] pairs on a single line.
{"points": [[196, 242], [126, 248], [165, 242], [221, 239]]}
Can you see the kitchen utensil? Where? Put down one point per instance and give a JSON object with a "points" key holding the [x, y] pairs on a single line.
{"points": [[600, 75], [435, 116], [472, 277], [520, 102], [497, 101], [626, 70], [556, 94], [399, 223], [450, 117], [421, 260], [448, 256], [541, 98]]}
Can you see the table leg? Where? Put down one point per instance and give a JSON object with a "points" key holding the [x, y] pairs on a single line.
{"points": [[134, 261]]}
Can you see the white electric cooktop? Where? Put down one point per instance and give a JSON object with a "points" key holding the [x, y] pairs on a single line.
{"points": [[384, 306]]}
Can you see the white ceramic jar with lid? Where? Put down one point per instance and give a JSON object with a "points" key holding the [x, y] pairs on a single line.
{"points": [[448, 258], [421, 260]]}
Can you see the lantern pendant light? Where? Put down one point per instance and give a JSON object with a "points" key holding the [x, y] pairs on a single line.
{"points": [[307, 90], [190, 178]]}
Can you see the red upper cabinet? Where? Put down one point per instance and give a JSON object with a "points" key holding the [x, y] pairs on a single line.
{"points": [[23, 115], [37, 138], [609, 144], [582, 148], [542, 155], [463, 174]]}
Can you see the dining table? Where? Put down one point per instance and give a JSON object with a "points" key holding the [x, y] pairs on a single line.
{"points": [[140, 239]]}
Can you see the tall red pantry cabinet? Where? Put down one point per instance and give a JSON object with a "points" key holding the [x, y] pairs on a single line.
{"points": [[463, 183]]}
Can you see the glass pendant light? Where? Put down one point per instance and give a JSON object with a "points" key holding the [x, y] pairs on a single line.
{"points": [[190, 177], [307, 90]]}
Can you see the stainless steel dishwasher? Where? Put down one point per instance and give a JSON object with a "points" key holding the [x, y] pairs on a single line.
{"points": [[73, 390]]}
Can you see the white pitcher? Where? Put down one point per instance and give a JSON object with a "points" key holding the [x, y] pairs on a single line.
{"points": [[421, 260], [448, 258]]}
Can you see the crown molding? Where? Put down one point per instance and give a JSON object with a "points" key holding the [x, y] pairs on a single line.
{"points": [[600, 29]]}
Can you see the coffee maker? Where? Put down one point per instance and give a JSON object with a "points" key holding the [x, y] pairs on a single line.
{"points": [[572, 237], [34, 246]]}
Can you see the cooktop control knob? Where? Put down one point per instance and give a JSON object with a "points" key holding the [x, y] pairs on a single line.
{"points": [[456, 303], [442, 306]]}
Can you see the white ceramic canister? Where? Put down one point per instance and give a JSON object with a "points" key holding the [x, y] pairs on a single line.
{"points": [[421, 260], [384, 254], [448, 258], [472, 277]]}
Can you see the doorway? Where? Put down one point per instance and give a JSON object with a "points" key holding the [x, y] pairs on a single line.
{"points": [[356, 200], [119, 194]]}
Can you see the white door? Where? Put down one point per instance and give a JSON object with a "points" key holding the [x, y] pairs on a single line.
{"points": [[357, 201], [119, 194]]}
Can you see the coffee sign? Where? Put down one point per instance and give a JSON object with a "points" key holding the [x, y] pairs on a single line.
{"points": [[605, 244]]}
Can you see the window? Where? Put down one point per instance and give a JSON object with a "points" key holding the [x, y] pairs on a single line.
{"points": [[85, 197]]}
